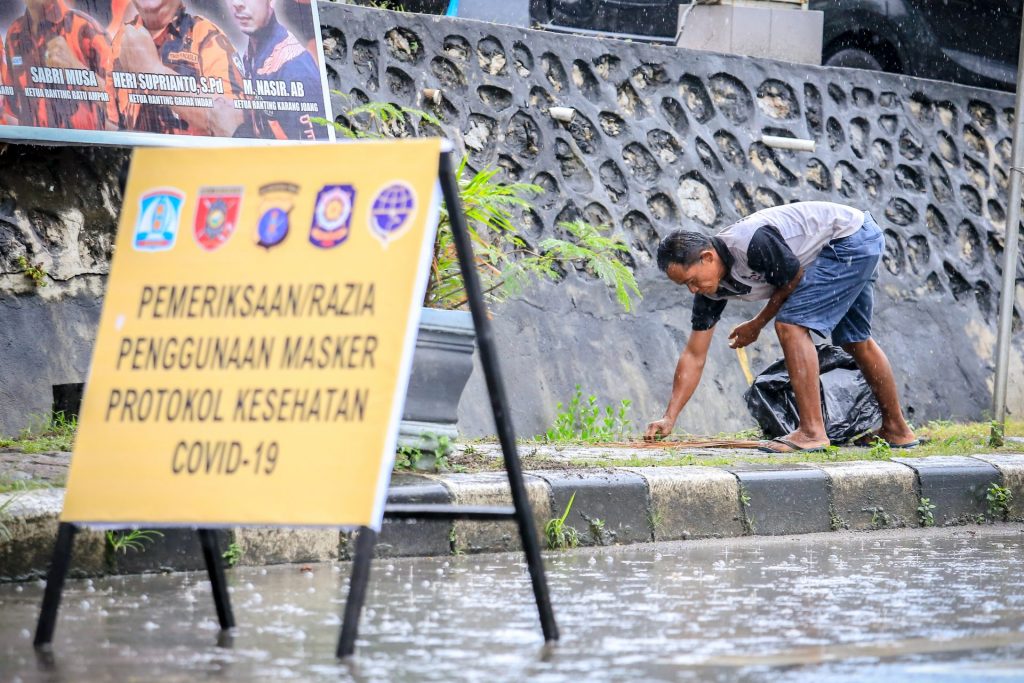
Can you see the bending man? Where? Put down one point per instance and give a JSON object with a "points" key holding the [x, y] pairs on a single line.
{"points": [[815, 263]]}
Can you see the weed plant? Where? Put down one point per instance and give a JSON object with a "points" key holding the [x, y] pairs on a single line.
{"points": [[5, 533], [999, 499], [925, 512], [880, 449], [407, 457], [135, 539], [233, 554], [583, 420], [33, 271], [560, 535]]}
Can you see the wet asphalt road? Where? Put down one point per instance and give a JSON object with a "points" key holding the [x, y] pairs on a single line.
{"points": [[924, 605]]}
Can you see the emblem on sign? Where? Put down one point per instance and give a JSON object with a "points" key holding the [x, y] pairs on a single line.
{"points": [[278, 200], [392, 211], [156, 228], [217, 215], [332, 216]]}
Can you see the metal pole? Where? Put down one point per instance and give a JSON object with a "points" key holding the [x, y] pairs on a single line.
{"points": [[365, 541], [499, 402], [218, 582], [54, 585], [1008, 291]]}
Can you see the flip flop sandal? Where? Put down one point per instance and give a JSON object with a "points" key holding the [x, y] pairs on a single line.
{"points": [[793, 448]]}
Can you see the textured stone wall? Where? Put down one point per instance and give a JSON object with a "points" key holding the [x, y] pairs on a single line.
{"points": [[58, 210], [666, 138], [663, 138]]}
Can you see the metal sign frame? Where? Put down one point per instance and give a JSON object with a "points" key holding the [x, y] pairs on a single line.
{"points": [[366, 538]]}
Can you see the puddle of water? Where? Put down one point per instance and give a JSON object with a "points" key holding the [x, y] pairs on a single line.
{"points": [[933, 606]]}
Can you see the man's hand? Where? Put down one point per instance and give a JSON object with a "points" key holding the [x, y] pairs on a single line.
{"points": [[659, 428], [224, 118], [744, 334], [138, 51], [58, 54]]}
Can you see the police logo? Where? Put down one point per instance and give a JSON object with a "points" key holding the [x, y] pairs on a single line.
{"points": [[16, 60], [156, 228], [278, 200], [217, 215], [392, 211], [332, 215]]}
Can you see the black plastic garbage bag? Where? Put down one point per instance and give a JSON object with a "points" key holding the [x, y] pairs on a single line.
{"points": [[847, 403]]}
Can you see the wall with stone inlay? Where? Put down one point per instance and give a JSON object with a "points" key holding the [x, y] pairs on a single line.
{"points": [[663, 138], [667, 138], [58, 210]]}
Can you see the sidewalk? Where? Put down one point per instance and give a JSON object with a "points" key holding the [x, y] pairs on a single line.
{"points": [[752, 495]]}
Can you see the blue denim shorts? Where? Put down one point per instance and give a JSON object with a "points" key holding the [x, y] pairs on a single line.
{"points": [[835, 295]]}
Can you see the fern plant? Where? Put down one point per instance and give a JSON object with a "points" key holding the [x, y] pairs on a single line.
{"points": [[504, 260]]}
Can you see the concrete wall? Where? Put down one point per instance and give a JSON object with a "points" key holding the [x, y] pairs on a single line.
{"points": [[668, 138], [663, 138], [58, 210]]}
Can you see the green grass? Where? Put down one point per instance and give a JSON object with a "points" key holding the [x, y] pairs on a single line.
{"points": [[8, 485], [940, 438], [44, 434]]}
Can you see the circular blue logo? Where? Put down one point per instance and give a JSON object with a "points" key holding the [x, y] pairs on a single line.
{"points": [[273, 227], [392, 210]]}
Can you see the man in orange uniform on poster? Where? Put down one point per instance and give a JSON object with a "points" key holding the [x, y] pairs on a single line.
{"points": [[274, 55], [175, 73], [5, 89], [52, 49]]}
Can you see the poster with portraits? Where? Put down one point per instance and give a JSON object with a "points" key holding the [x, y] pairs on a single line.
{"points": [[118, 71]]}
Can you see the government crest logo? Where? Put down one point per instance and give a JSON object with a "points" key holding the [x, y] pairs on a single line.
{"points": [[392, 211], [156, 228], [277, 202], [217, 215], [332, 216]]}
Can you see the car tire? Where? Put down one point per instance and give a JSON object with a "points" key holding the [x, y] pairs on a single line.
{"points": [[854, 58]]}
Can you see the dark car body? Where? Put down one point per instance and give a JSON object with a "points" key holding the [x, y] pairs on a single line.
{"points": [[646, 20], [974, 42]]}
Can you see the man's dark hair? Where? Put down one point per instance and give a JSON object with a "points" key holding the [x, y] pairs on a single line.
{"points": [[682, 247]]}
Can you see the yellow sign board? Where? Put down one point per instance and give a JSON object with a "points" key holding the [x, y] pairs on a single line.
{"points": [[257, 336]]}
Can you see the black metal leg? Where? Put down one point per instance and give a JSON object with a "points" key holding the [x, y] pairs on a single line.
{"points": [[499, 402], [365, 541], [54, 585], [215, 568]]}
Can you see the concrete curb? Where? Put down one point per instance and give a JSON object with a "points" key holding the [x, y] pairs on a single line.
{"points": [[871, 495], [955, 485], [611, 506], [788, 499]]}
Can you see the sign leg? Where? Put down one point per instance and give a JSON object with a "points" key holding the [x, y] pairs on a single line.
{"points": [[365, 542], [215, 568], [499, 402], [54, 585]]}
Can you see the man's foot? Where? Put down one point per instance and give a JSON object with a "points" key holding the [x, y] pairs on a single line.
{"points": [[794, 443], [905, 440]]}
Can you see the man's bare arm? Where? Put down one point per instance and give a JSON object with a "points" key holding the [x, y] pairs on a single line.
{"points": [[746, 333], [689, 369]]}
